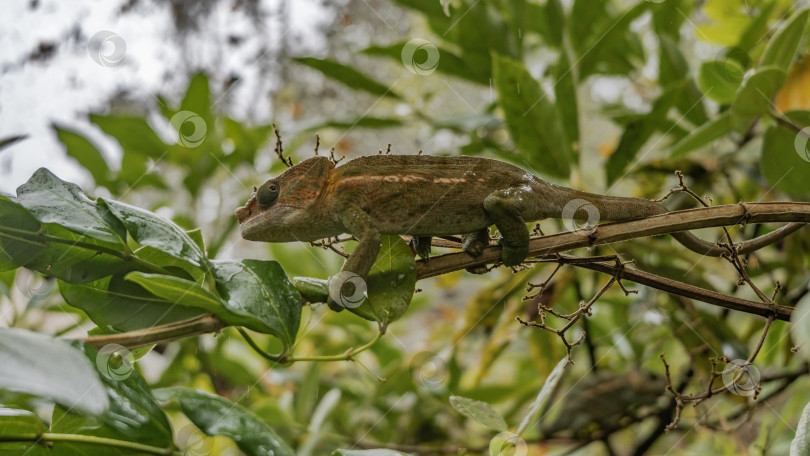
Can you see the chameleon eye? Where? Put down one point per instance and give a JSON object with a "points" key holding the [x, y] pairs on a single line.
{"points": [[267, 194]]}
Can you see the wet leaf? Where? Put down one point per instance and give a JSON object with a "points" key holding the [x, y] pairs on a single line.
{"points": [[215, 415]]}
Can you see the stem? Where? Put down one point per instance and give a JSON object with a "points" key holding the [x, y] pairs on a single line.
{"points": [[90, 439], [785, 121], [159, 334], [348, 355]]}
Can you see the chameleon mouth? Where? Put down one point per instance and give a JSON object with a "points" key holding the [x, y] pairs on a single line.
{"points": [[243, 213]]}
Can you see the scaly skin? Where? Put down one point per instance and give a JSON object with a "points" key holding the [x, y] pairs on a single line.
{"points": [[426, 196]]}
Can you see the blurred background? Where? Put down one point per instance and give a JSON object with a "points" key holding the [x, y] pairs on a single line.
{"points": [[169, 106]]}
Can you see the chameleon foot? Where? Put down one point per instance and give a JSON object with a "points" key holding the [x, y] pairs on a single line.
{"points": [[513, 255], [474, 243], [421, 246]]}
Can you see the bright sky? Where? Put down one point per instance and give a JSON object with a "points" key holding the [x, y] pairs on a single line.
{"points": [[67, 87]]}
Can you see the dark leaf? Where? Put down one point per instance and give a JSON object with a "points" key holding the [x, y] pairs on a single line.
{"points": [[155, 231], [52, 200], [85, 152], [348, 76], [260, 292], [215, 415], [753, 98], [785, 160], [532, 119], [638, 132], [116, 305]]}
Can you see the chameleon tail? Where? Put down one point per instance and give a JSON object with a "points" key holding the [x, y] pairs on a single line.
{"points": [[570, 203]]}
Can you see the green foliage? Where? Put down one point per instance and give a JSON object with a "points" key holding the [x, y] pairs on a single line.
{"points": [[391, 282], [215, 415], [31, 361], [530, 74]]}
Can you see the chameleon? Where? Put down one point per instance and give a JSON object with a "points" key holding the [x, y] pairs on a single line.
{"points": [[425, 196]]}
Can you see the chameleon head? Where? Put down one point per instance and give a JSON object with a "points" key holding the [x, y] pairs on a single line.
{"points": [[278, 210]]}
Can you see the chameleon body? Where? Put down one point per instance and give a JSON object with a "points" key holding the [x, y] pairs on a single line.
{"points": [[422, 196]]}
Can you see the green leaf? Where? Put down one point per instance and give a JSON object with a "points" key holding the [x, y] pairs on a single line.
{"points": [[198, 98], [544, 395], [76, 259], [782, 47], [139, 143], [720, 79], [43, 366], [756, 29], [638, 132], [181, 292], [155, 231], [359, 122], [565, 93], [754, 96], [800, 445], [19, 423], [532, 119], [246, 140], [116, 305], [9, 141], [449, 63], [479, 411], [391, 282], [15, 251], [703, 135], [133, 414], [85, 152], [347, 75], [609, 47], [215, 415], [260, 293], [52, 200], [312, 289], [785, 161], [133, 134]]}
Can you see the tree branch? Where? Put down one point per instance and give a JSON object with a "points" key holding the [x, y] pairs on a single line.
{"points": [[689, 219]]}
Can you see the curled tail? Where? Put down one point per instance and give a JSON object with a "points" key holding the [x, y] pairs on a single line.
{"points": [[574, 204]]}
